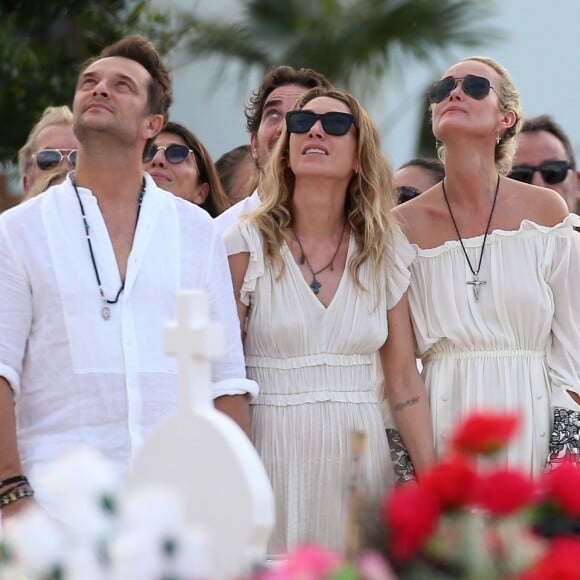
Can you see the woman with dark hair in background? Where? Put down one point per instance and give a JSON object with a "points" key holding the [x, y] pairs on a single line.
{"points": [[179, 163], [417, 175]]}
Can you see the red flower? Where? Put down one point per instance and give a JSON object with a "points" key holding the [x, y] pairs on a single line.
{"points": [[451, 481], [503, 491], [411, 513], [562, 486], [485, 433], [561, 562]]}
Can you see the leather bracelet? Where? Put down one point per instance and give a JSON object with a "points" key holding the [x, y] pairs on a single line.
{"points": [[14, 495], [14, 479]]}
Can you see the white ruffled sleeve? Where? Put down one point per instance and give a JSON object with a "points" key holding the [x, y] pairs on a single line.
{"points": [[563, 257], [243, 237], [398, 274]]}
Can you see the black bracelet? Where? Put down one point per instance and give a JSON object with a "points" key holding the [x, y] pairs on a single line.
{"points": [[15, 479], [14, 495]]}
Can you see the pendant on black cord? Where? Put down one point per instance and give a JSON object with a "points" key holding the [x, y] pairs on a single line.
{"points": [[106, 312], [315, 285], [475, 285]]}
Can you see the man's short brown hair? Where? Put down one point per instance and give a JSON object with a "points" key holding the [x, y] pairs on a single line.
{"points": [[141, 50], [546, 123], [279, 77]]}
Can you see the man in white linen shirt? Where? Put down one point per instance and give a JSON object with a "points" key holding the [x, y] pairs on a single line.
{"points": [[90, 271], [265, 114]]}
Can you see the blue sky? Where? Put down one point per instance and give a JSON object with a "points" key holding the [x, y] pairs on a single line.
{"points": [[541, 51]]}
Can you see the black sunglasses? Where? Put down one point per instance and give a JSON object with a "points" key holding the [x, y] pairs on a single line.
{"points": [[333, 123], [552, 172], [406, 192], [49, 158], [473, 86], [175, 153]]}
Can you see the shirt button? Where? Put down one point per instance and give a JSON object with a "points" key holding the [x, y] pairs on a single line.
{"points": [[444, 397]]}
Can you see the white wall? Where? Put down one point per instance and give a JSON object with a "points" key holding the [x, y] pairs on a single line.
{"points": [[541, 52]]}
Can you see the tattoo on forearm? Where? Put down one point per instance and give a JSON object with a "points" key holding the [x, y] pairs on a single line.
{"points": [[407, 403]]}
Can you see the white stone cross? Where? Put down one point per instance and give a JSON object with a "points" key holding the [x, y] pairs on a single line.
{"points": [[205, 456], [195, 340]]}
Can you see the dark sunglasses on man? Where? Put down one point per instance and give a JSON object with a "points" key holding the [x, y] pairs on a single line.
{"points": [[552, 172], [473, 86], [49, 158], [174, 153], [334, 122]]}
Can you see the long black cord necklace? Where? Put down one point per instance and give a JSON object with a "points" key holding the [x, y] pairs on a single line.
{"points": [[315, 285], [105, 310], [476, 283]]}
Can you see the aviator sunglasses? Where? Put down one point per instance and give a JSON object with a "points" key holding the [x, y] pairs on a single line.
{"points": [[173, 153], [333, 123], [552, 172], [473, 86], [49, 158]]}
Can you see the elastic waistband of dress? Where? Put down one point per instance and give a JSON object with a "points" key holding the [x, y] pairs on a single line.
{"points": [[471, 354], [320, 359], [283, 400]]}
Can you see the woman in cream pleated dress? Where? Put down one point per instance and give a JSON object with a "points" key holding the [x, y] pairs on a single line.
{"points": [[494, 293], [321, 290]]}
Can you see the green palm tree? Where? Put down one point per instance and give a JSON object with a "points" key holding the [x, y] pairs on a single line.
{"points": [[347, 40]]}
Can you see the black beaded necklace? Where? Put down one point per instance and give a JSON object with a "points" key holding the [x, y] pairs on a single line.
{"points": [[105, 310], [476, 282]]}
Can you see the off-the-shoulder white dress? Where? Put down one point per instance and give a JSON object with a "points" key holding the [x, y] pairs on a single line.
{"points": [[316, 370], [518, 347]]}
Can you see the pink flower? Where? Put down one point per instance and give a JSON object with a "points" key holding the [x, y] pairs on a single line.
{"points": [[372, 566], [485, 433], [308, 562]]}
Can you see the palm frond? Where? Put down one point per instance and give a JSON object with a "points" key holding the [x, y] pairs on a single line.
{"points": [[341, 38]]}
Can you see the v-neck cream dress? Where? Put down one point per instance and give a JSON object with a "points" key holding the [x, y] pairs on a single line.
{"points": [[315, 367], [517, 348]]}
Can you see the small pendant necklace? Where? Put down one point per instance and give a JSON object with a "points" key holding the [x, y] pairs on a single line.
{"points": [[105, 310], [315, 285], [476, 283]]}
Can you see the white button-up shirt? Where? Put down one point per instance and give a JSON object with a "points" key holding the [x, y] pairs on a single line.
{"points": [[233, 214], [78, 378]]}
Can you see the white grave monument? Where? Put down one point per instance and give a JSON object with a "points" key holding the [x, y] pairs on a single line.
{"points": [[205, 455]]}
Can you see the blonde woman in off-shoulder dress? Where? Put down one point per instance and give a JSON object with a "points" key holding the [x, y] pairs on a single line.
{"points": [[494, 293], [321, 290]]}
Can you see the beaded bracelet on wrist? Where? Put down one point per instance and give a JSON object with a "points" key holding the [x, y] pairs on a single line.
{"points": [[16, 494], [14, 479]]}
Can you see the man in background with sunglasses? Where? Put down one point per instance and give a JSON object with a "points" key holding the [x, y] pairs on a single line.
{"points": [[545, 157], [51, 143], [265, 119]]}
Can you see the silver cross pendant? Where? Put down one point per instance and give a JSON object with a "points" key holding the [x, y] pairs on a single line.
{"points": [[475, 285]]}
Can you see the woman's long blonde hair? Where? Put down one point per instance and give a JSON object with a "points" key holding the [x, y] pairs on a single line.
{"points": [[369, 198]]}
